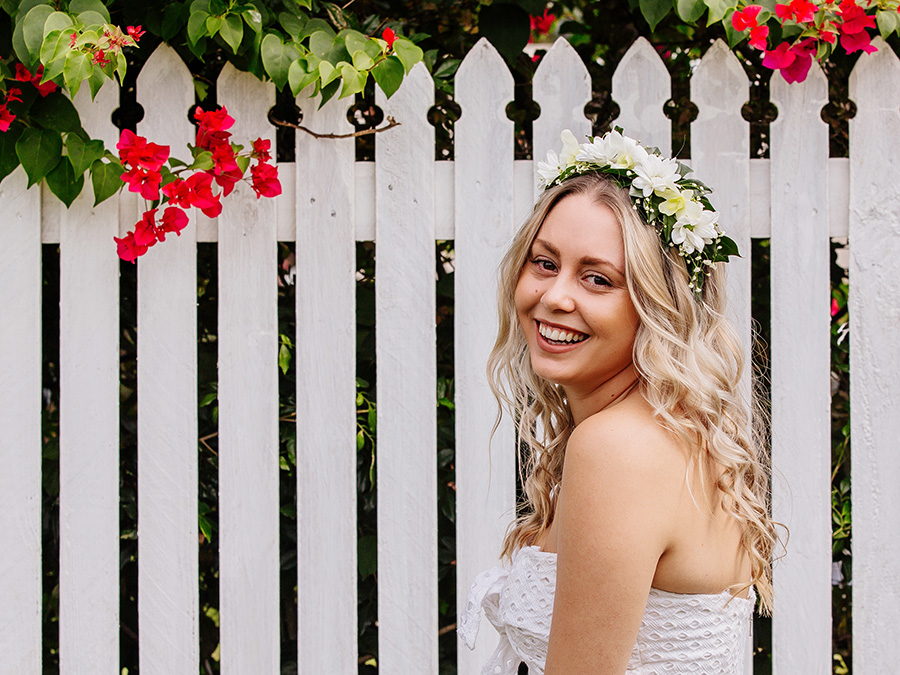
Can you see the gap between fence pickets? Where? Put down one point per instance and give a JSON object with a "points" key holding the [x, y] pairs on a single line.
{"points": [[286, 204]]}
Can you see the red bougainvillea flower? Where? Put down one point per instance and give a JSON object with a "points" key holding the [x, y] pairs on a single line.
{"points": [[801, 11], [211, 131], [146, 233], [828, 33], [226, 171], [24, 75], [542, 24], [854, 36], [746, 18], [780, 57], [389, 36], [799, 68], [173, 220], [14, 95], [758, 37], [853, 42], [835, 307], [144, 182], [99, 58], [178, 192], [6, 118], [265, 180], [202, 195], [135, 32], [135, 151], [128, 249], [261, 150]]}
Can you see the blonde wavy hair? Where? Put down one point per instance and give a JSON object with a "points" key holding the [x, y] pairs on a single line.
{"points": [[690, 364]]}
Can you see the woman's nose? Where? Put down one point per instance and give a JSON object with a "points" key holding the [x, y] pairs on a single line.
{"points": [[558, 295]]}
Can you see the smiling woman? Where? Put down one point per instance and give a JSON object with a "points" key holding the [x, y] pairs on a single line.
{"points": [[644, 534]]}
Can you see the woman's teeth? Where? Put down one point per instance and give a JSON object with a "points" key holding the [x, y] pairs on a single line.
{"points": [[556, 335]]}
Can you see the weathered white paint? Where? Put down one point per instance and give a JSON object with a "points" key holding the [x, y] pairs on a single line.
{"points": [[167, 401], [801, 413], [406, 383], [485, 467], [89, 421], [641, 86], [562, 87], [326, 392], [875, 359], [20, 426], [249, 556]]}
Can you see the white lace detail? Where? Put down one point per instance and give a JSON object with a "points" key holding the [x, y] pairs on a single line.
{"points": [[679, 634]]}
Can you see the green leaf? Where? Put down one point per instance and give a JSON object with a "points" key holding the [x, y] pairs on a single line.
{"points": [[105, 179], [328, 91], [366, 552], [33, 31], [64, 182], [284, 358], [217, 7], [78, 68], [97, 79], [253, 18], [655, 10], [174, 19], [203, 161], [55, 45], [320, 43], [92, 18], [447, 68], [293, 24], [388, 75], [354, 81], [362, 61], [82, 153], [690, 10], [277, 58], [55, 111], [734, 37], [57, 21], [9, 160], [232, 31], [888, 22], [314, 26], [408, 52], [328, 73], [354, 40], [718, 9], [299, 78], [213, 24], [81, 6], [335, 14], [507, 27], [39, 150], [196, 27]]}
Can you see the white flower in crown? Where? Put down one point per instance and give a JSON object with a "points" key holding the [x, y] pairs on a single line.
{"points": [[695, 228], [549, 171], [624, 152], [595, 152], [655, 174], [569, 150]]}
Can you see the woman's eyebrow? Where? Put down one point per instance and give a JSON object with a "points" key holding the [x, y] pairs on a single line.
{"points": [[586, 261]]}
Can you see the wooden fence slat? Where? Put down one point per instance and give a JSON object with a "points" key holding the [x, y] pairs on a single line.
{"points": [[562, 87], [485, 474], [21, 604], [641, 85], [168, 595], [326, 393], [406, 371], [801, 412], [249, 556], [89, 421], [875, 359]]}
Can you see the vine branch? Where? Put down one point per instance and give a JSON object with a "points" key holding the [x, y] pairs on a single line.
{"points": [[391, 123]]}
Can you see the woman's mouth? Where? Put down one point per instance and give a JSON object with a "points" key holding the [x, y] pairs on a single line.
{"points": [[560, 336]]}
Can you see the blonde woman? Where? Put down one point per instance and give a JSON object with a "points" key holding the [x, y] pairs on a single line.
{"points": [[644, 536]]}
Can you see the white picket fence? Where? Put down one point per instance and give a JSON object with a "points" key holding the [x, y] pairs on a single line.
{"points": [[405, 201]]}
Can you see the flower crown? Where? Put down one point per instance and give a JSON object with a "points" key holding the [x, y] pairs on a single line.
{"points": [[673, 204]]}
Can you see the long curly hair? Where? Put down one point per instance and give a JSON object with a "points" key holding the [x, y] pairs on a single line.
{"points": [[690, 364]]}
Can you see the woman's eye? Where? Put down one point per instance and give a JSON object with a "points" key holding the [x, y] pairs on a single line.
{"points": [[544, 264], [597, 280]]}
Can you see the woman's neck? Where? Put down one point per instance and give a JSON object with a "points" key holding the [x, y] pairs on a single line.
{"points": [[609, 393]]}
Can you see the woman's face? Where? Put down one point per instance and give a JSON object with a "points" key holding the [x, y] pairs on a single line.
{"points": [[571, 298]]}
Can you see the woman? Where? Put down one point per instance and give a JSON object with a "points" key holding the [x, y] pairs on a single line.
{"points": [[645, 526]]}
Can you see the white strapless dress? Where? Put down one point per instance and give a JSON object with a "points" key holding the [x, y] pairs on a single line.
{"points": [[680, 633]]}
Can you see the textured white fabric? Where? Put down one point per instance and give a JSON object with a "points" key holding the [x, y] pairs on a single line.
{"points": [[680, 633]]}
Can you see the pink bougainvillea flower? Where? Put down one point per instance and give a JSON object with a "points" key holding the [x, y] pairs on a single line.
{"points": [[99, 58], [73, 38], [144, 182], [24, 75], [854, 17], [211, 130], [173, 220], [799, 69], [178, 192], [6, 118], [265, 180], [758, 37], [780, 57], [146, 233], [128, 249], [14, 95], [746, 18], [542, 24], [854, 42], [389, 36], [828, 33], [135, 32], [226, 171], [202, 195], [136, 151], [835, 307], [261, 148], [801, 11]]}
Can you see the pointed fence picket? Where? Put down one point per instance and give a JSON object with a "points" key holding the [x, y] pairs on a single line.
{"points": [[485, 488], [324, 189], [875, 358], [168, 595], [406, 201]]}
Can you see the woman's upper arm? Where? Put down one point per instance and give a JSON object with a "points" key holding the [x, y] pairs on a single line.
{"points": [[614, 516]]}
